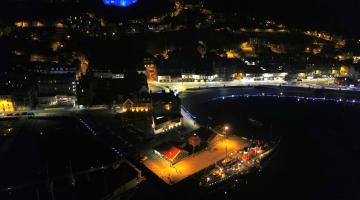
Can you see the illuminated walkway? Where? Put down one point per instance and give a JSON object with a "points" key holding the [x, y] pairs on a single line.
{"points": [[193, 164], [325, 83]]}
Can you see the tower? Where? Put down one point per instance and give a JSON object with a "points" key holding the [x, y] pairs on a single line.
{"points": [[151, 70]]}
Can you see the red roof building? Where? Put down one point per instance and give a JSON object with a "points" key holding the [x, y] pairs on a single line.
{"points": [[170, 152]]}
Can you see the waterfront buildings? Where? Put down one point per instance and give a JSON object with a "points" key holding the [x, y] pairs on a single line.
{"points": [[6, 104], [166, 109]]}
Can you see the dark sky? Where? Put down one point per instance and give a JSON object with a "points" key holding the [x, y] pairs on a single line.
{"points": [[334, 15]]}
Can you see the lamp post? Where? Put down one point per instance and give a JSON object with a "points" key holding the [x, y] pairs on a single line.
{"points": [[226, 128]]}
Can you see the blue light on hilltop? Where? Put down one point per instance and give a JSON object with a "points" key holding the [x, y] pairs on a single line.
{"points": [[121, 3]]}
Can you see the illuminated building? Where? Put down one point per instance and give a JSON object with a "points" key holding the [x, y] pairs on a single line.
{"points": [[121, 3], [264, 76], [280, 48], [56, 46], [165, 104], [136, 105], [206, 135], [57, 84], [231, 54], [344, 71], [356, 59], [169, 74], [57, 101], [238, 76], [59, 25], [198, 77], [246, 47], [22, 24], [170, 152], [43, 58], [38, 24], [166, 108], [56, 90], [164, 78], [6, 104], [107, 74], [52, 68], [151, 70], [164, 123], [25, 24], [84, 66]]}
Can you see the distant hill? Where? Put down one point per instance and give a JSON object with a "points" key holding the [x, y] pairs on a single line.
{"points": [[335, 16]]}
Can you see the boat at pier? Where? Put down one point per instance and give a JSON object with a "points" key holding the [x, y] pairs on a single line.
{"points": [[238, 163]]}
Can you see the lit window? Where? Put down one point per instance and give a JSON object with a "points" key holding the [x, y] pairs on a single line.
{"points": [[167, 106]]}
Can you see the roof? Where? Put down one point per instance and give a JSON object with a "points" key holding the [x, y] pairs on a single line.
{"points": [[162, 119], [204, 134], [169, 151], [57, 77], [166, 97], [163, 71], [128, 101]]}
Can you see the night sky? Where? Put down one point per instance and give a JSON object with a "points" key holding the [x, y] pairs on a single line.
{"points": [[332, 15]]}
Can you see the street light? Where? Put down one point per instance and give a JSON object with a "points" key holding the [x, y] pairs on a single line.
{"points": [[226, 128]]}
